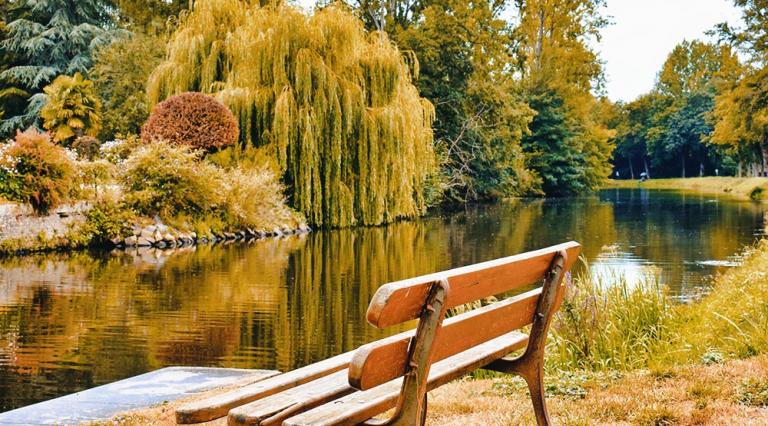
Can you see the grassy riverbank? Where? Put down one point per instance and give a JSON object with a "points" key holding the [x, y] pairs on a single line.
{"points": [[752, 187]]}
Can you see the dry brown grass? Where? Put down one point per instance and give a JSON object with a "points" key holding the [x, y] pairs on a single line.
{"points": [[697, 395]]}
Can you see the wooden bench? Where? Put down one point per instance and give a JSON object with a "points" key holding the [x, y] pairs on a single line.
{"points": [[398, 371]]}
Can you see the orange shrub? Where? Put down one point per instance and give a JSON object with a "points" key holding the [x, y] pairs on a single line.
{"points": [[43, 168], [192, 119]]}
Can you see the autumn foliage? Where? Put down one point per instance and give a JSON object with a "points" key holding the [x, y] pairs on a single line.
{"points": [[44, 171], [192, 119]]}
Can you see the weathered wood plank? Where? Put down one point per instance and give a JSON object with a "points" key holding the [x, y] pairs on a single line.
{"points": [[219, 405], [379, 362], [402, 301], [273, 409], [360, 406]]}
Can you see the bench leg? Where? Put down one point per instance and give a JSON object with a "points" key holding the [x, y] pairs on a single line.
{"points": [[411, 406], [530, 365]]}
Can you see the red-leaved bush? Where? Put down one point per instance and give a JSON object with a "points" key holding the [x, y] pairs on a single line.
{"points": [[191, 119]]}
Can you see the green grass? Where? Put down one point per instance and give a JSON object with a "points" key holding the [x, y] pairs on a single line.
{"points": [[617, 326], [610, 324], [755, 188], [754, 393]]}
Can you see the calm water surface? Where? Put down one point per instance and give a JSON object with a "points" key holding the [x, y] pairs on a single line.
{"points": [[69, 322]]}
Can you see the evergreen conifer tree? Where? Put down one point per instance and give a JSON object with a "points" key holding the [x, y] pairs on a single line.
{"points": [[49, 38]]}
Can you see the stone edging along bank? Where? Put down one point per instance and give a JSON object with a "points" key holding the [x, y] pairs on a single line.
{"points": [[161, 236], [22, 232]]}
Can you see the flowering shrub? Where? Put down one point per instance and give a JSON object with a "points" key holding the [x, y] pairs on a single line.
{"points": [[118, 150], [10, 181], [36, 171], [192, 119]]}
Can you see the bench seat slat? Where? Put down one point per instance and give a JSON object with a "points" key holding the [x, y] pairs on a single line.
{"points": [[360, 406], [381, 361], [273, 409], [218, 406], [402, 301]]}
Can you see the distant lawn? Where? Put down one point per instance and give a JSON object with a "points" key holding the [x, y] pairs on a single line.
{"points": [[751, 187]]}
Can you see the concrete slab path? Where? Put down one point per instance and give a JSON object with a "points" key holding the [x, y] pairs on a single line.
{"points": [[103, 402]]}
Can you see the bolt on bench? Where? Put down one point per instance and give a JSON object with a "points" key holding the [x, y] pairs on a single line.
{"points": [[398, 371]]}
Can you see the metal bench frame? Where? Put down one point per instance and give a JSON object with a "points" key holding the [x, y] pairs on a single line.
{"points": [[412, 404]]}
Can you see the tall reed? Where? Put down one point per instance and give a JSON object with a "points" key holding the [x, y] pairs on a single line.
{"points": [[610, 323]]}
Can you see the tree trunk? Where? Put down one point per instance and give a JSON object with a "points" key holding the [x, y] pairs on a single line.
{"points": [[645, 165], [683, 164], [764, 152], [631, 169], [741, 165], [540, 41]]}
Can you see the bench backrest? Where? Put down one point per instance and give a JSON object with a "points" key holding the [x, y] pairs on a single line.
{"points": [[398, 302]]}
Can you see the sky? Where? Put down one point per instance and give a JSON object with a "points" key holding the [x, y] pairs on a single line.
{"points": [[642, 34]]}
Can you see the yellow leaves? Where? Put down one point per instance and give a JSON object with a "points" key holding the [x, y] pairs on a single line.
{"points": [[72, 108], [75, 123], [63, 133], [740, 118]]}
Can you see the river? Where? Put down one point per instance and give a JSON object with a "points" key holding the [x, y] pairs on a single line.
{"points": [[74, 321]]}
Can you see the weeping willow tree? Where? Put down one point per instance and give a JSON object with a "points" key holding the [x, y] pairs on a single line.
{"points": [[333, 105]]}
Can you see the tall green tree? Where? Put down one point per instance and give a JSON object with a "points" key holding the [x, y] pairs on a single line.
{"points": [[12, 99], [49, 38], [464, 58], [549, 147], [122, 87], [633, 131], [563, 75], [686, 87]]}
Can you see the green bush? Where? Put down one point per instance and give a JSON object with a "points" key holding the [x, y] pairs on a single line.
{"points": [[167, 180], [192, 119], [104, 222], [175, 183], [72, 109], [38, 172]]}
